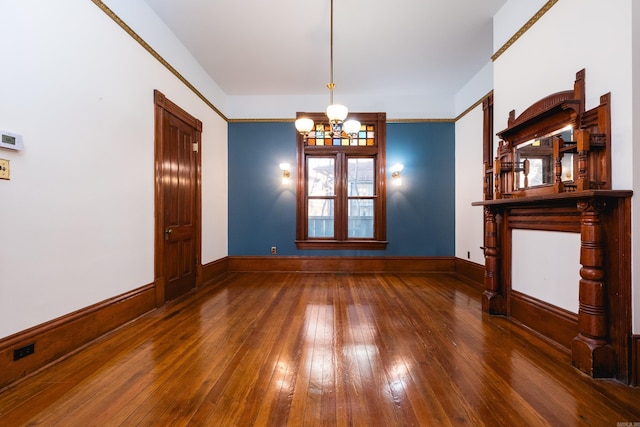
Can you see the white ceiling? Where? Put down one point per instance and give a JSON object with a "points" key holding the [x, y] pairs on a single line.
{"points": [[405, 48]]}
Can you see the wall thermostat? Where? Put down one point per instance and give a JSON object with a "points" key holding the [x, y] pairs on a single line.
{"points": [[10, 140]]}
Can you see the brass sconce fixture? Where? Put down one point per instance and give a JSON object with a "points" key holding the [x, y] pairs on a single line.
{"points": [[395, 174], [286, 172]]}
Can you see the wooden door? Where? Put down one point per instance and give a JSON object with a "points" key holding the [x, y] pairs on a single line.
{"points": [[177, 200]]}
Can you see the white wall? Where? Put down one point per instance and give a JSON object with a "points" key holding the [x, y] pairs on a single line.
{"points": [[469, 219], [575, 34], [558, 280], [475, 89], [78, 212]]}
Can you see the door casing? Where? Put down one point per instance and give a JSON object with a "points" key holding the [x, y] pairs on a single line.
{"points": [[162, 105]]}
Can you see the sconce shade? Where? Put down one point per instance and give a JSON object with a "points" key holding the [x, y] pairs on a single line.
{"points": [[397, 167], [304, 125], [286, 172], [337, 113], [395, 174], [351, 127]]}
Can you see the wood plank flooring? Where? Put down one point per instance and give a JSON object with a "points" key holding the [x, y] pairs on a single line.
{"points": [[297, 349]]}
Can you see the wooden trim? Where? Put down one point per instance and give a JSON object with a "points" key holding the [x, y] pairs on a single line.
{"points": [[65, 335], [487, 146], [547, 114], [340, 239], [470, 271], [543, 217], [341, 264], [635, 360], [618, 261], [550, 321], [342, 244], [160, 100], [213, 270]]}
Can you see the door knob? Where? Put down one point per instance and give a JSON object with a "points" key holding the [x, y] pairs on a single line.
{"points": [[167, 233]]}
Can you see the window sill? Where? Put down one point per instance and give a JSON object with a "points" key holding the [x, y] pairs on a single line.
{"points": [[342, 244]]}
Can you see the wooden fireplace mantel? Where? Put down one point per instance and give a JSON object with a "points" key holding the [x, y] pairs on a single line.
{"points": [[603, 219]]}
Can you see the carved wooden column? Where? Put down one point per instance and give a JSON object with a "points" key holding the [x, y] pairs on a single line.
{"points": [[583, 146], [590, 350], [492, 299]]}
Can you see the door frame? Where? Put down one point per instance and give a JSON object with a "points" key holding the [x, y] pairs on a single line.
{"points": [[162, 104]]}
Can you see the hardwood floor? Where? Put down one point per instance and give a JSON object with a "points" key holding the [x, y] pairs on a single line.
{"points": [[276, 349]]}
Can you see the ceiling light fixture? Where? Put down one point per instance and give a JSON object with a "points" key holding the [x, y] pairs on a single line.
{"points": [[337, 113]]}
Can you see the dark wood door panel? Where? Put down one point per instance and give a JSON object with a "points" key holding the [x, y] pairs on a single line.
{"points": [[177, 225]]}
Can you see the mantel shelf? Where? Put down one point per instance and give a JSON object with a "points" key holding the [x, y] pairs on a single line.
{"points": [[572, 195]]}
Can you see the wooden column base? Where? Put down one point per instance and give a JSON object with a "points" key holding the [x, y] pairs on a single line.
{"points": [[593, 357], [492, 303]]}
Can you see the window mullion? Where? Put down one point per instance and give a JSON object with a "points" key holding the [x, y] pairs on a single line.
{"points": [[341, 197]]}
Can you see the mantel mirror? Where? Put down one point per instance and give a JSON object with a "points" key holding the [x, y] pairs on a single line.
{"points": [[554, 146], [535, 163]]}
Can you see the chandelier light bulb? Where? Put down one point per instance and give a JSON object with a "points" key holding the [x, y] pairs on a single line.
{"points": [[304, 125], [337, 113], [351, 127]]}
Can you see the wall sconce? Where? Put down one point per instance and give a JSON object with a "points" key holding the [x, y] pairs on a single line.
{"points": [[395, 174], [286, 172]]}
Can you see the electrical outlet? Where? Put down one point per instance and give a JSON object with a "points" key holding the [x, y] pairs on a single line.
{"points": [[273, 250], [21, 352], [4, 169]]}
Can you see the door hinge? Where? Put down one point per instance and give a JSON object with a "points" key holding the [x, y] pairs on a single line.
{"points": [[195, 147]]}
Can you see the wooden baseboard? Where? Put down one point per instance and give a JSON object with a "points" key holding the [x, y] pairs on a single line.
{"points": [[341, 264], [635, 360], [212, 270], [471, 271], [554, 323], [63, 336]]}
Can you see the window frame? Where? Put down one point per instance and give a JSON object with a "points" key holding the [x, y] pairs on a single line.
{"points": [[341, 154]]}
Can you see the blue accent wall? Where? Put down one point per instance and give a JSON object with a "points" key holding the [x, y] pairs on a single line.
{"points": [[420, 213]]}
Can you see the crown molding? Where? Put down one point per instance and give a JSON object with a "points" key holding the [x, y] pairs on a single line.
{"points": [[111, 14], [480, 101], [544, 9]]}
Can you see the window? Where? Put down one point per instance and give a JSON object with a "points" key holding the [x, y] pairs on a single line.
{"points": [[341, 186]]}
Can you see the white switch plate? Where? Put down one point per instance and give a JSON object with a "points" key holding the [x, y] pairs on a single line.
{"points": [[4, 169]]}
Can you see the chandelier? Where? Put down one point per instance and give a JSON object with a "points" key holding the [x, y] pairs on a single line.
{"points": [[336, 113]]}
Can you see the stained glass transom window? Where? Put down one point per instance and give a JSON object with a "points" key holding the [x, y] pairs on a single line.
{"points": [[322, 135]]}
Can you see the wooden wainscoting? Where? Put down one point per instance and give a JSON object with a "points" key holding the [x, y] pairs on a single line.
{"points": [[65, 335], [340, 264]]}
